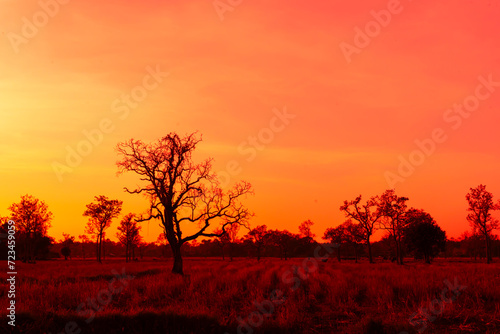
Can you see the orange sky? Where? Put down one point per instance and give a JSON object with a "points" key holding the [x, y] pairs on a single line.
{"points": [[230, 69]]}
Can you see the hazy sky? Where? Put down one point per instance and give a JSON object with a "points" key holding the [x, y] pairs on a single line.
{"points": [[360, 81]]}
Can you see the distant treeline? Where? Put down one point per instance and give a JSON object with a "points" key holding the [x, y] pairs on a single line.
{"points": [[467, 246]]}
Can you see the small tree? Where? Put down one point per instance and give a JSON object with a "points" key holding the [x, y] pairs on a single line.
{"points": [[232, 234], [283, 240], [32, 218], [354, 235], [128, 235], [470, 242], [393, 209], [480, 207], [422, 235], [83, 241], [336, 235], [66, 243], [66, 252], [222, 240], [259, 238], [366, 214], [305, 230], [163, 243], [100, 214]]}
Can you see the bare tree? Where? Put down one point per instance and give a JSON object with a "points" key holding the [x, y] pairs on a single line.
{"points": [[480, 206], [366, 214], [100, 214], [181, 191], [32, 218], [129, 235], [393, 209]]}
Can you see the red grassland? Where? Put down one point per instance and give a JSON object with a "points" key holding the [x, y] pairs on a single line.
{"points": [[219, 296]]}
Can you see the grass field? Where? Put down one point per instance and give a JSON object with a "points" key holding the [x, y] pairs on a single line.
{"points": [[219, 296]]}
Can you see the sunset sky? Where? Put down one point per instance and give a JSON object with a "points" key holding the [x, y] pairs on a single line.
{"points": [[226, 71]]}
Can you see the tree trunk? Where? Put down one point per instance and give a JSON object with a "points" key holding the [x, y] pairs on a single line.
{"points": [[177, 268], [338, 254]]}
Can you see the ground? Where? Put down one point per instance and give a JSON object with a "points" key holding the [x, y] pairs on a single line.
{"points": [[247, 296]]}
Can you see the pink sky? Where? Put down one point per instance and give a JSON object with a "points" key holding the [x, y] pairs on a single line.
{"points": [[353, 120]]}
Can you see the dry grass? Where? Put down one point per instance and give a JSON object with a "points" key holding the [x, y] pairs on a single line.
{"points": [[343, 298]]}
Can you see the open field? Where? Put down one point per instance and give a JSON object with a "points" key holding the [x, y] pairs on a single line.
{"points": [[214, 294]]}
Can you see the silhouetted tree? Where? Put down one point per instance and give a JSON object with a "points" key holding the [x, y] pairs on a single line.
{"points": [[232, 234], [305, 230], [366, 214], [393, 209], [480, 206], [258, 236], [355, 236], [470, 243], [222, 240], [100, 214], [336, 235], [66, 242], [128, 235], [422, 235], [4, 230], [32, 218], [66, 252], [283, 240], [181, 191], [163, 243], [83, 241]]}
